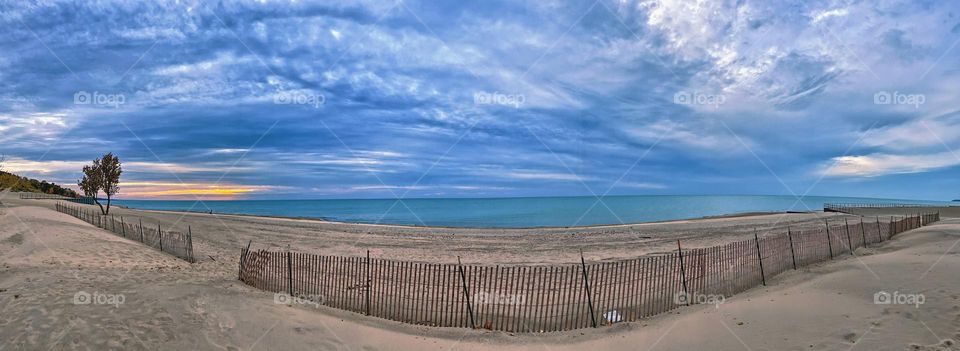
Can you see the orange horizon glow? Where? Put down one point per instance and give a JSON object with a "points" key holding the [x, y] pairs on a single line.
{"points": [[187, 191]]}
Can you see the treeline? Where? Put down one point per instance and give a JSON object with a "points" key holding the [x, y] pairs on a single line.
{"points": [[23, 184]]}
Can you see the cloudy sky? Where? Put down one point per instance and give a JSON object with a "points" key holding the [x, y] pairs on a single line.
{"points": [[379, 99]]}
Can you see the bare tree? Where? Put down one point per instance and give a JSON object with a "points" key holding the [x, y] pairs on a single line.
{"points": [[103, 174]]}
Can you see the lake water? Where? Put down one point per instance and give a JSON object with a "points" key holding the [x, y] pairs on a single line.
{"points": [[509, 212]]}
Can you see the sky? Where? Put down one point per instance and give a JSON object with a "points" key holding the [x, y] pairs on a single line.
{"points": [[384, 99]]}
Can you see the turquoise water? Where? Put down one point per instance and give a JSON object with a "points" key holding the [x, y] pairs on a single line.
{"points": [[509, 212]]}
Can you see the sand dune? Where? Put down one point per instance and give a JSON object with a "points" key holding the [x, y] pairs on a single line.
{"points": [[48, 258]]}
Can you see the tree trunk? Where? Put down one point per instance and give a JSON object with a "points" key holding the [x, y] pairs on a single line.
{"points": [[98, 204], [108, 205]]}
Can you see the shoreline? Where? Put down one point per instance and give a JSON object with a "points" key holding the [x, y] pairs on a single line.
{"points": [[409, 226], [223, 235]]}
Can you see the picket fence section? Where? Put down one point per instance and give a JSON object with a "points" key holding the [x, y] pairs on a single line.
{"points": [[553, 298], [42, 196], [175, 243], [851, 207]]}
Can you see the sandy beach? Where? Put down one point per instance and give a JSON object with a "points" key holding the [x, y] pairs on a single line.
{"points": [[222, 236], [49, 258]]}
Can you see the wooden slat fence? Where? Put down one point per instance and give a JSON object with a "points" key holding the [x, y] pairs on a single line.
{"points": [[851, 207], [553, 298], [175, 243], [42, 196]]}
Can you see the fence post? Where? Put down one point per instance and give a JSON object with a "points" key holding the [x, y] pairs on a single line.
{"points": [[141, 228], [829, 241], [190, 244], [863, 234], [160, 234], [586, 284], [289, 273], [243, 261], [756, 239], [113, 224], [890, 228], [683, 275], [466, 293], [849, 242], [792, 254], [368, 283], [123, 227]]}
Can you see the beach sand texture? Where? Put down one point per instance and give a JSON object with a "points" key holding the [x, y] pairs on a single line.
{"points": [[49, 257]]}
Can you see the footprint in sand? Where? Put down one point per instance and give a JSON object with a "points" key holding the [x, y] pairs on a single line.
{"points": [[944, 345]]}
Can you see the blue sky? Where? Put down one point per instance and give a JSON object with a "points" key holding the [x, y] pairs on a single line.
{"points": [[379, 99]]}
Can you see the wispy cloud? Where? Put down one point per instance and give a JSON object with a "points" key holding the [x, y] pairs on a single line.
{"points": [[875, 165], [598, 83]]}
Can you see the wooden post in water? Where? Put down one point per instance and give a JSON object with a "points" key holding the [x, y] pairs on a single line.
{"points": [[683, 275], [756, 239], [829, 241], [792, 255], [466, 294], [586, 285]]}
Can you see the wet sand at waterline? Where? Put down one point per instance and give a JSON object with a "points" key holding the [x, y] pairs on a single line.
{"points": [[49, 257]]}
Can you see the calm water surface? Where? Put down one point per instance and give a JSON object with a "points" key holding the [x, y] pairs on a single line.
{"points": [[509, 212]]}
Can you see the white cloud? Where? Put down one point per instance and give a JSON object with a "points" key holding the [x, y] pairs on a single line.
{"points": [[717, 140], [822, 15], [642, 185], [19, 165], [883, 164], [22, 166], [524, 174], [174, 167], [228, 151], [37, 126], [927, 132]]}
